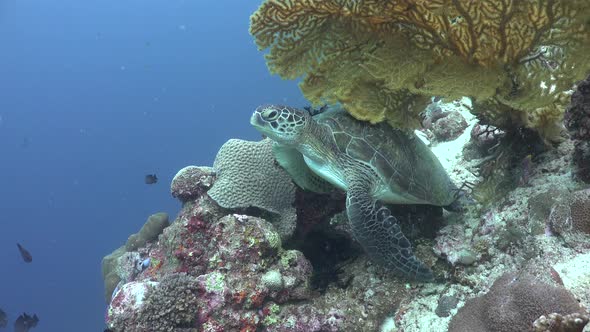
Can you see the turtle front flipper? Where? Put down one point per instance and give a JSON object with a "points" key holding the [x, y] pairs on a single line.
{"points": [[292, 161], [379, 232]]}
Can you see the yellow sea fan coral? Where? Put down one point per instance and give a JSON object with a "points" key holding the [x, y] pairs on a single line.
{"points": [[381, 58]]}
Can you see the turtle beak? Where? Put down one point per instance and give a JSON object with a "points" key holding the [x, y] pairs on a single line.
{"points": [[256, 120]]}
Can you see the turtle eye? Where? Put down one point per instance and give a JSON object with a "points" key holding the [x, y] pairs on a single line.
{"points": [[270, 114]]}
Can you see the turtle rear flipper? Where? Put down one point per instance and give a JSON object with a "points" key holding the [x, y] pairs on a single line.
{"points": [[379, 232]]}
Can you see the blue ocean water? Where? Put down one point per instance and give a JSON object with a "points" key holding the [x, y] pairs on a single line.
{"points": [[93, 96]]}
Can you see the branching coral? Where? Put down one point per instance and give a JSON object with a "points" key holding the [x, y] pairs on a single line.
{"points": [[383, 59]]}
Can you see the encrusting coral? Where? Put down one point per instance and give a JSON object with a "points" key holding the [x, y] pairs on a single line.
{"points": [[191, 182], [383, 60], [170, 304]]}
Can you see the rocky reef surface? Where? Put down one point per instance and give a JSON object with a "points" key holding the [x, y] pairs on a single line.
{"points": [[259, 254]]}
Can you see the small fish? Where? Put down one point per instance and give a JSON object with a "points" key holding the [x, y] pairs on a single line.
{"points": [[151, 179], [27, 257], [145, 263], [25, 143], [3, 319], [25, 322]]}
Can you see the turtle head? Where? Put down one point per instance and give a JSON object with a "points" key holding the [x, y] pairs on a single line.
{"points": [[282, 124]]}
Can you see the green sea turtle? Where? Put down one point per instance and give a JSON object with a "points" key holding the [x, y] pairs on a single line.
{"points": [[374, 164]]}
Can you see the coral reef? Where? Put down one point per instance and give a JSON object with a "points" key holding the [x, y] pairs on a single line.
{"points": [[124, 262], [517, 59], [577, 120], [248, 176], [449, 127], [220, 269], [513, 303], [213, 272], [191, 182]]}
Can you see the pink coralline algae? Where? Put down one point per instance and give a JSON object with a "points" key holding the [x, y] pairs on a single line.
{"points": [[127, 301], [449, 127]]}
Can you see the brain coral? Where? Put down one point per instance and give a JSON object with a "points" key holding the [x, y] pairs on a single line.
{"points": [[571, 213], [247, 176], [383, 59], [580, 211], [513, 303]]}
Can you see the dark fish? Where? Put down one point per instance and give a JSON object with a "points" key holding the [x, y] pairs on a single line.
{"points": [[25, 322], [151, 179], [3, 319], [27, 257], [25, 143]]}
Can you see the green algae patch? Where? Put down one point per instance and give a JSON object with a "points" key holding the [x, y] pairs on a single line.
{"points": [[215, 282]]}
